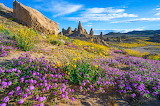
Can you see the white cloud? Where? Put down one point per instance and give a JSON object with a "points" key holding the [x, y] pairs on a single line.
{"points": [[101, 14], [89, 25], [158, 11], [118, 30], [138, 20], [104, 10], [59, 7]]}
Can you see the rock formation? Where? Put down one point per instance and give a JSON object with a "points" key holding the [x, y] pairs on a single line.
{"points": [[60, 33], [69, 30], [91, 32], [101, 35], [5, 11], [80, 28], [119, 39], [80, 31], [34, 19], [75, 30]]}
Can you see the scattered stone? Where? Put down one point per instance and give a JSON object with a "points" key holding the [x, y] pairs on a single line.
{"points": [[104, 43], [119, 39], [60, 33], [34, 19]]}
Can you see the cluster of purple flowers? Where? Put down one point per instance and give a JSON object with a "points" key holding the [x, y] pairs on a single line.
{"points": [[32, 76], [135, 76], [6, 46]]}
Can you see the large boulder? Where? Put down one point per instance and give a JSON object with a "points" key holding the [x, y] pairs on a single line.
{"points": [[5, 9], [34, 19]]}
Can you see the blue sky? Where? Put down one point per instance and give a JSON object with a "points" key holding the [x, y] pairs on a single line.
{"points": [[101, 15]]}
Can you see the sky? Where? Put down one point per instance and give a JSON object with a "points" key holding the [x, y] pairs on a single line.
{"points": [[101, 15]]}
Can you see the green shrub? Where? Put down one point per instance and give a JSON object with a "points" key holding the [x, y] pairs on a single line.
{"points": [[5, 31], [80, 71], [57, 42], [26, 38]]}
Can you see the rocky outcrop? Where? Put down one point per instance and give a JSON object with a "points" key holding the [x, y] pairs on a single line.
{"points": [[119, 39], [69, 30], [80, 31], [91, 32], [5, 9], [34, 19], [101, 35], [80, 28], [60, 33], [82, 34]]}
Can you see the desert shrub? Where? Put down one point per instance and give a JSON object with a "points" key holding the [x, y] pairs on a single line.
{"points": [[92, 47], [79, 71], [130, 45], [4, 30], [26, 38], [135, 53], [57, 42], [154, 57]]}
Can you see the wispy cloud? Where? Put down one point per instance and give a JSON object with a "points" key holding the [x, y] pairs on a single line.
{"points": [[138, 20], [118, 30], [59, 7], [101, 14], [158, 11], [89, 25]]}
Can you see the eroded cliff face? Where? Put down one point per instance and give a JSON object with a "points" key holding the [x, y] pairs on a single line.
{"points": [[34, 19]]}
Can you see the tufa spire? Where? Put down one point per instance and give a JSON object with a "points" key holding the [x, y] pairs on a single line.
{"points": [[91, 32]]}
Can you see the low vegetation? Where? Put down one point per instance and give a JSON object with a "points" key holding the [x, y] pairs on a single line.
{"points": [[32, 80]]}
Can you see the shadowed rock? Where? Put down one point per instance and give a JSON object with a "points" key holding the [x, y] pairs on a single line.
{"points": [[69, 30], [80, 28], [60, 33], [119, 39], [34, 19], [5, 9], [91, 32], [101, 35]]}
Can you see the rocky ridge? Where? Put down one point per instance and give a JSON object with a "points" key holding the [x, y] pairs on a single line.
{"points": [[82, 34]]}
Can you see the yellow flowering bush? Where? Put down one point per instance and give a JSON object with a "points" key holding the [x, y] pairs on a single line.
{"points": [[26, 38], [154, 57], [92, 47], [135, 53], [139, 43], [130, 45]]}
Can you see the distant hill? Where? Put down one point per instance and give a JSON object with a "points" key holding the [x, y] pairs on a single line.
{"points": [[145, 33]]}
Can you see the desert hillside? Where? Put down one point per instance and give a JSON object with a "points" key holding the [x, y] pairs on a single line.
{"points": [[74, 68]]}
